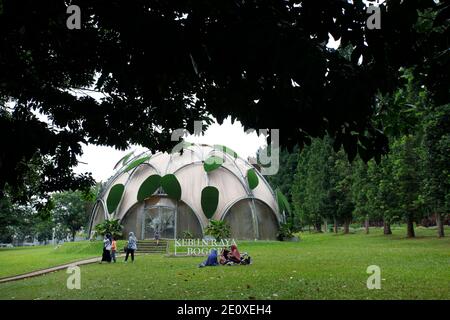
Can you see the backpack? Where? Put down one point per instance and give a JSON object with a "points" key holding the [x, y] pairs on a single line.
{"points": [[246, 259]]}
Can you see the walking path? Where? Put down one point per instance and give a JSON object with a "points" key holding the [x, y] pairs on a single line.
{"points": [[52, 269]]}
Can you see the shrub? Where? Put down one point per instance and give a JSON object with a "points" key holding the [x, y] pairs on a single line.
{"points": [[218, 229], [285, 231], [113, 227]]}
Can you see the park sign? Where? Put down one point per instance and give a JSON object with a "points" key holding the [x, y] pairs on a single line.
{"points": [[200, 247]]}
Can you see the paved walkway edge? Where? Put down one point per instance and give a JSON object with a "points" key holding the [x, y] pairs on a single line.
{"points": [[48, 270], [52, 269]]}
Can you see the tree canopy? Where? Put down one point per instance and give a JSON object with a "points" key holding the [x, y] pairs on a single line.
{"points": [[161, 65]]}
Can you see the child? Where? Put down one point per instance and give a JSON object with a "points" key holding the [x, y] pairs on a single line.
{"points": [[113, 249]]}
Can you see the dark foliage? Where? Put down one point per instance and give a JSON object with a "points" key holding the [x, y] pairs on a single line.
{"points": [[160, 65]]}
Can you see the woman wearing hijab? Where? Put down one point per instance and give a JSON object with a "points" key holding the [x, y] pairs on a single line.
{"points": [[106, 256], [224, 255], [131, 247], [211, 260], [234, 255]]}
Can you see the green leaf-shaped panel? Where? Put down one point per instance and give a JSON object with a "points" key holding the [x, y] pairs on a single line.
{"points": [[149, 186], [171, 186], [252, 178], [114, 196], [184, 145], [212, 163], [283, 203], [136, 163], [123, 160], [225, 149], [210, 200]]}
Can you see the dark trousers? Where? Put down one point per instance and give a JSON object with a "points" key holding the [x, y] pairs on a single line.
{"points": [[130, 251]]}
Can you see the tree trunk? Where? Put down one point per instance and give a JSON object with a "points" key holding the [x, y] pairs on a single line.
{"points": [[346, 226], [74, 233], [325, 222], [335, 226], [440, 225], [410, 226], [387, 228], [366, 224]]}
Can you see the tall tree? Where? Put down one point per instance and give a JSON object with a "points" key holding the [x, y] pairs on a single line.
{"points": [[284, 178], [343, 189], [437, 164], [309, 187], [360, 190], [70, 212]]}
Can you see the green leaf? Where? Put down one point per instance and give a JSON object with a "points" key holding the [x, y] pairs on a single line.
{"points": [[148, 187], [212, 163], [171, 186], [136, 163], [114, 196], [210, 200], [123, 160], [225, 149], [283, 203], [252, 178]]}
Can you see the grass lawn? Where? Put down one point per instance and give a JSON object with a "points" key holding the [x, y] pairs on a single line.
{"points": [[321, 266], [14, 261]]}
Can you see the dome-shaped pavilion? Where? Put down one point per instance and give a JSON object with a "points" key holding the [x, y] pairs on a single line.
{"points": [[179, 192]]}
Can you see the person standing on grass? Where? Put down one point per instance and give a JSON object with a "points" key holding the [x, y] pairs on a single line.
{"points": [[157, 236], [113, 249], [106, 256], [131, 247]]}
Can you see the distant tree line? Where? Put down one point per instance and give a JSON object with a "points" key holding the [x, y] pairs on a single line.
{"points": [[61, 218]]}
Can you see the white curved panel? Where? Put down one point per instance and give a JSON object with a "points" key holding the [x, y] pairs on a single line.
{"points": [[192, 179], [229, 186]]}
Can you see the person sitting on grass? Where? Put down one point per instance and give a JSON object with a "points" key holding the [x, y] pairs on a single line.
{"points": [[211, 260], [234, 256], [224, 256], [106, 256], [131, 247]]}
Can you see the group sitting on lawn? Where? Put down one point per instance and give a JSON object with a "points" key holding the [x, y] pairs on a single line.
{"points": [[227, 257]]}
